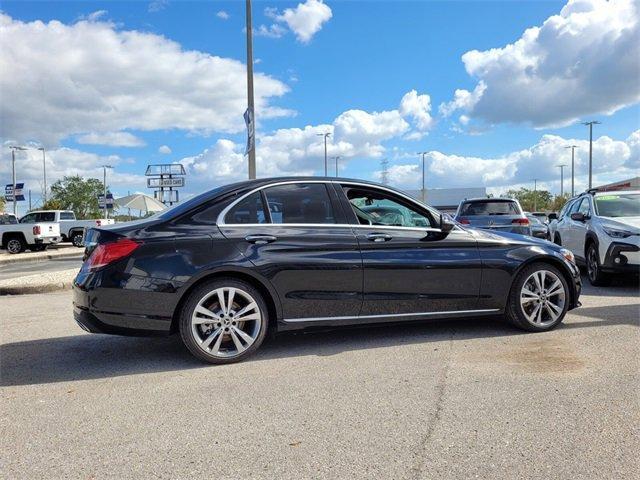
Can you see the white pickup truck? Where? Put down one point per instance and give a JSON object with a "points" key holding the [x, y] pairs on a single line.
{"points": [[17, 237], [72, 230]]}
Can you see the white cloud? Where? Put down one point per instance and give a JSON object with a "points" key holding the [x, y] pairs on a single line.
{"points": [[223, 15], [157, 5], [583, 61], [612, 160], [418, 107], [113, 139], [164, 149], [272, 31], [94, 16], [305, 20], [91, 77]]}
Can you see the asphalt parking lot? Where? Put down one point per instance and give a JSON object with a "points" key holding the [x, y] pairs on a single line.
{"points": [[457, 399]]}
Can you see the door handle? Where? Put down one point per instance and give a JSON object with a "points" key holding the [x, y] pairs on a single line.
{"points": [[379, 237], [260, 239]]}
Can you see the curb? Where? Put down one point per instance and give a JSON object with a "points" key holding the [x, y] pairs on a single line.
{"points": [[39, 258], [61, 280]]}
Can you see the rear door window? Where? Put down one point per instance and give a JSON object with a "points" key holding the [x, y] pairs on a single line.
{"points": [[489, 207], [67, 216], [300, 203], [248, 210]]}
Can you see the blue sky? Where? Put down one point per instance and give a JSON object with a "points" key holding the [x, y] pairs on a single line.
{"points": [[362, 57]]}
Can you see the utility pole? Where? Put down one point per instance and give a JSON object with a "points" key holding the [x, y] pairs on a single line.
{"points": [[13, 168], [384, 164], [590, 125], [573, 168], [44, 175], [337, 157], [250, 106], [561, 167], [424, 192], [535, 194], [104, 185], [326, 166]]}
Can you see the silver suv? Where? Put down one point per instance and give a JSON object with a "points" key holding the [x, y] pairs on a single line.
{"points": [[603, 231]]}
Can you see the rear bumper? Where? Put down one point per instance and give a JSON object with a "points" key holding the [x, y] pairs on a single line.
{"points": [[47, 240]]}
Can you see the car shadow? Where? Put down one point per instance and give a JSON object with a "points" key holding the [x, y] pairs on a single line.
{"points": [[85, 357]]}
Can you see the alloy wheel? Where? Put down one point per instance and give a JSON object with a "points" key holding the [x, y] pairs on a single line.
{"points": [[226, 322], [14, 246], [542, 298], [592, 264]]}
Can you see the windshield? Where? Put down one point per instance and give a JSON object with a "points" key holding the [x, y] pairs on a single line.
{"points": [[534, 219], [618, 205], [489, 207]]}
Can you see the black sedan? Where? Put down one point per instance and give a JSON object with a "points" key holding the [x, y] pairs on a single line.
{"points": [[291, 253]]}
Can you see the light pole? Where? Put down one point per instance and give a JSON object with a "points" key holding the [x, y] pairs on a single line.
{"points": [[561, 167], [104, 185], [590, 125], [13, 168], [424, 192], [573, 167], [251, 153], [44, 175], [337, 157], [326, 166], [535, 194]]}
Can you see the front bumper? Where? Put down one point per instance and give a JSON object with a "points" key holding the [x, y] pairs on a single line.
{"points": [[622, 258]]}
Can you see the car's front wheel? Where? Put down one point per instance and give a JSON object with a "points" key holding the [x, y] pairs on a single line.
{"points": [[539, 298], [596, 276], [223, 321]]}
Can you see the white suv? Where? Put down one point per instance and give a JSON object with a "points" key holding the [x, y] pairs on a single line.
{"points": [[602, 230]]}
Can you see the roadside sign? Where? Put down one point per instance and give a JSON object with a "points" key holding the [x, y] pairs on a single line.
{"points": [[251, 130], [166, 196], [109, 201], [165, 182], [8, 192]]}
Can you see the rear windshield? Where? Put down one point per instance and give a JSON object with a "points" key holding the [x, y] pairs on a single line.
{"points": [[489, 207]]}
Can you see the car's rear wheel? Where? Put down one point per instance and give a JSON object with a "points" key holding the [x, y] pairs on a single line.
{"points": [[223, 321], [539, 298], [16, 245], [76, 239], [594, 270]]}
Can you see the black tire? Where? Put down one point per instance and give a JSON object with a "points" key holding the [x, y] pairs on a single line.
{"points": [[596, 276], [76, 239], [16, 244], [514, 313], [199, 293], [557, 240]]}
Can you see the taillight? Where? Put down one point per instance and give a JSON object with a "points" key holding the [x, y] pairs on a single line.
{"points": [[464, 221], [520, 221], [106, 253], [98, 222], [36, 230]]}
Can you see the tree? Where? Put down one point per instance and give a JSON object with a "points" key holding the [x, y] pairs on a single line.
{"points": [[530, 200], [3, 203], [558, 202], [77, 194]]}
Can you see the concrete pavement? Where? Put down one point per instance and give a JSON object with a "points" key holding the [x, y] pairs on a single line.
{"points": [[458, 399]]}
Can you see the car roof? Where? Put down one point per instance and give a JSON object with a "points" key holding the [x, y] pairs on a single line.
{"points": [[615, 192], [489, 199]]}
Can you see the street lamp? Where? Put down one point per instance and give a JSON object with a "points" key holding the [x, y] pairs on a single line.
{"points": [[251, 117], [13, 168], [535, 194], [104, 185], [573, 167], [325, 135], [44, 175], [561, 167], [424, 192], [337, 157], [590, 125]]}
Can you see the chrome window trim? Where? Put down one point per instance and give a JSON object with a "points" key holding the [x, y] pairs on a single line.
{"points": [[391, 315], [220, 220]]}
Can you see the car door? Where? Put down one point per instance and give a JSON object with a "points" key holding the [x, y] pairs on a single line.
{"points": [[410, 267], [577, 230], [303, 245]]}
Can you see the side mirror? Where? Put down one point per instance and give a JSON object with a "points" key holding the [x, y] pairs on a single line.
{"points": [[552, 216], [578, 216], [446, 224]]}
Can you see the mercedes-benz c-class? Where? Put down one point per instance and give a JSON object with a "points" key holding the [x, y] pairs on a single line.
{"points": [[225, 267]]}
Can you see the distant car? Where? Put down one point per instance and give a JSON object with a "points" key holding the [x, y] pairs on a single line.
{"points": [[538, 228], [71, 229], [501, 214], [602, 230], [542, 216], [8, 218]]}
